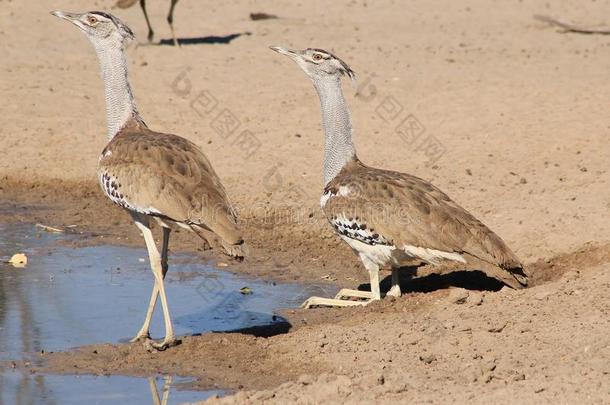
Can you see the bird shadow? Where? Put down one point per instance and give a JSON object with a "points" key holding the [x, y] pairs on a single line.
{"points": [[211, 39], [467, 279], [279, 327]]}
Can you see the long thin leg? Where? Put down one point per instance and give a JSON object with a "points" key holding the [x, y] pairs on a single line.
{"points": [[151, 34], [152, 384], [349, 293], [375, 294], [374, 277], [144, 331], [155, 264], [167, 384], [395, 290], [170, 21]]}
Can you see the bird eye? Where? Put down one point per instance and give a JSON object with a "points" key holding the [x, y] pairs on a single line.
{"points": [[92, 20], [317, 56]]}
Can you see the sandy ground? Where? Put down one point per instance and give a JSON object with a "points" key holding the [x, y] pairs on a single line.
{"points": [[517, 109]]}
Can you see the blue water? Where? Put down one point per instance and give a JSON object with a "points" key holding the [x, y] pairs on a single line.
{"points": [[68, 297], [22, 389]]}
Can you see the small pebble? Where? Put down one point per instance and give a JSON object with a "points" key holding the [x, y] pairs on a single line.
{"points": [[458, 295], [428, 358]]}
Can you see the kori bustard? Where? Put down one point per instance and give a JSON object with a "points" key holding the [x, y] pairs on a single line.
{"points": [[151, 33], [152, 175], [390, 219]]}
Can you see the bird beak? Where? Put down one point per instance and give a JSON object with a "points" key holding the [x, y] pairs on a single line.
{"points": [[74, 18], [284, 51]]}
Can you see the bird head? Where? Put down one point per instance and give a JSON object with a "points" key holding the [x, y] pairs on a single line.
{"points": [[100, 27], [317, 63]]}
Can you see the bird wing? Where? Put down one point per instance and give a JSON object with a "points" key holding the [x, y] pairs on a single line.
{"points": [[169, 176], [403, 210]]}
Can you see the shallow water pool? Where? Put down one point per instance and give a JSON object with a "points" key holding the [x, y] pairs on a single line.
{"points": [[68, 297]]}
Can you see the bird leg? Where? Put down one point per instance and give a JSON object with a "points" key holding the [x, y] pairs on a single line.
{"points": [[330, 302], [348, 293], [395, 290], [170, 21], [156, 267], [151, 33], [369, 297], [144, 331], [152, 384]]}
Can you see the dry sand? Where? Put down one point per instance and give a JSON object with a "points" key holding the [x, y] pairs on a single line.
{"points": [[518, 110]]}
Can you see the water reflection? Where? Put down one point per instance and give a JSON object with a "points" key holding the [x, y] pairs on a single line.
{"points": [[26, 389]]}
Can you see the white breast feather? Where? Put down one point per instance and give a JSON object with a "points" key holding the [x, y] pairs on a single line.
{"points": [[325, 198], [344, 191]]}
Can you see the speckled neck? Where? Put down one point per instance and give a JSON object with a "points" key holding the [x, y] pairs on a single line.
{"points": [[339, 148], [120, 103]]}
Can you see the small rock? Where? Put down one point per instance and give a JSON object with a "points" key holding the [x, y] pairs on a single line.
{"points": [[399, 387], [497, 328], [475, 298], [427, 358], [458, 296], [380, 380], [305, 380], [519, 377]]}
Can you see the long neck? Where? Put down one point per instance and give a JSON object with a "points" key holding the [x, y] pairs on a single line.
{"points": [[339, 147], [120, 103]]}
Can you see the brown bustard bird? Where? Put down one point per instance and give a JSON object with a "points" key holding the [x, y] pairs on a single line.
{"points": [[391, 219], [153, 176], [151, 33]]}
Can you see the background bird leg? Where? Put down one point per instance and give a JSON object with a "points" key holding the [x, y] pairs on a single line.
{"points": [[151, 33], [170, 21]]}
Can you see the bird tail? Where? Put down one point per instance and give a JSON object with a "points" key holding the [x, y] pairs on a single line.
{"points": [[513, 276], [235, 250], [125, 3]]}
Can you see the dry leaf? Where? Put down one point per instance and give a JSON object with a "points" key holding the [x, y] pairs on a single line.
{"points": [[18, 260]]}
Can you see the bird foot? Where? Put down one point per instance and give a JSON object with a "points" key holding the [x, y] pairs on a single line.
{"points": [[330, 302], [141, 336], [347, 293], [394, 291], [168, 342]]}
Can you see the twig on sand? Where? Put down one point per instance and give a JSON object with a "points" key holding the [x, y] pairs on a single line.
{"points": [[567, 27], [49, 228]]}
